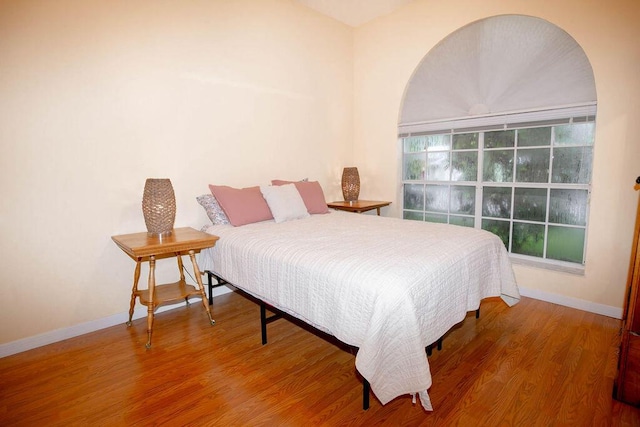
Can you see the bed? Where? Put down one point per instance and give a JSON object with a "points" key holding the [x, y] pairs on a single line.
{"points": [[386, 286]]}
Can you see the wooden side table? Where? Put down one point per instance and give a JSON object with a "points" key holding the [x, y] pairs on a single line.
{"points": [[142, 248], [359, 206]]}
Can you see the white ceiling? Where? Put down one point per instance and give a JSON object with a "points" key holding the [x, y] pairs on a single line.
{"points": [[355, 12]]}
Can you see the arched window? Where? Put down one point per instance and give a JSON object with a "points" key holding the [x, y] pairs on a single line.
{"points": [[497, 130]]}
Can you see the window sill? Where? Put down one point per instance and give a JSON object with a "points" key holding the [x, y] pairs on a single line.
{"points": [[564, 267]]}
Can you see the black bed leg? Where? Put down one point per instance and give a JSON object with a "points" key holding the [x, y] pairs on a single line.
{"points": [[210, 285], [264, 320], [219, 282], [263, 323], [366, 387], [429, 348]]}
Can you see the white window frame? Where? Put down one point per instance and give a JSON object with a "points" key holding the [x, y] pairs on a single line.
{"points": [[514, 120]]}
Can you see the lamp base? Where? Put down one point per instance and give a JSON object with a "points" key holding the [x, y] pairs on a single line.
{"points": [[160, 236]]}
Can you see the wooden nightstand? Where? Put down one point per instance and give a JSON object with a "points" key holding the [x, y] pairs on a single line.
{"points": [[359, 206], [141, 247]]}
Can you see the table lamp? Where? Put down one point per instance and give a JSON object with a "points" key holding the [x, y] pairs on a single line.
{"points": [[350, 184], [159, 206]]}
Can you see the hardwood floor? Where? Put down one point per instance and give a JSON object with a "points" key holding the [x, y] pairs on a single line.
{"points": [[535, 364]]}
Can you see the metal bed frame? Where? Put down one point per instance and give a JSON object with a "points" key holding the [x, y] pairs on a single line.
{"points": [[278, 314]]}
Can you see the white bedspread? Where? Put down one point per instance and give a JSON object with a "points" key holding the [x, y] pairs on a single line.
{"points": [[387, 286]]}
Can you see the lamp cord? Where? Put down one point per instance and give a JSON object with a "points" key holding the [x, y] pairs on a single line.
{"points": [[189, 274]]}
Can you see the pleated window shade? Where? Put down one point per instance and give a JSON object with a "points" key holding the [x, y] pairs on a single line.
{"points": [[503, 65]]}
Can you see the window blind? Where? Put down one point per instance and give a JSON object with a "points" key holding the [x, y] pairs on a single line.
{"points": [[539, 117]]}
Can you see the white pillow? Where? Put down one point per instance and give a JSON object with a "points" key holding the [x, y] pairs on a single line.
{"points": [[285, 202]]}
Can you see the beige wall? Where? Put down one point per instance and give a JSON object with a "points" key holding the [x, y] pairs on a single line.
{"points": [[96, 96], [387, 51]]}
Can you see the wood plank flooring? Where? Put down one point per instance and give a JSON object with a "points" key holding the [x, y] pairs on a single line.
{"points": [[534, 364]]}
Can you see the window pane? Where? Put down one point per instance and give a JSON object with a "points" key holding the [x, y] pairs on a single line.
{"points": [[437, 198], [414, 196], [565, 244], [438, 142], [441, 174], [499, 228], [530, 204], [532, 165], [572, 165], [498, 166], [496, 202], [463, 199], [414, 166], [465, 141], [575, 134], [568, 207], [438, 166], [499, 139], [416, 216], [528, 239], [464, 166], [534, 137], [436, 218], [413, 144], [464, 221]]}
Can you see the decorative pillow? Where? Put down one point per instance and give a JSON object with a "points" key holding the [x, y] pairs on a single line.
{"points": [[285, 202], [241, 205], [213, 209], [311, 193]]}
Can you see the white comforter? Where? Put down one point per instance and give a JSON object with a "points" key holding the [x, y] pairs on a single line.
{"points": [[387, 286]]}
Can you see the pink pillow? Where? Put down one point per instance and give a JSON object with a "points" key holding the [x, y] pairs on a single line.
{"points": [[242, 206], [311, 193]]}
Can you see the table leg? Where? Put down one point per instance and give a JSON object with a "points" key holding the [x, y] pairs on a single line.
{"points": [[134, 291], [196, 272], [378, 209], [152, 291], [181, 269]]}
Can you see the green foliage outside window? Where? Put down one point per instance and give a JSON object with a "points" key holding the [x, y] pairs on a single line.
{"points": [[533, 185]]}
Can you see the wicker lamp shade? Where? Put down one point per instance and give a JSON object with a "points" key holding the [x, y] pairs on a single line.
{"points": [[350, 184], [159, 206]]}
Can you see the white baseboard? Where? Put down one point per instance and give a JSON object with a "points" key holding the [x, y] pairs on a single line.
{"points": [[50, 337], [40, 340], [580, 304]]}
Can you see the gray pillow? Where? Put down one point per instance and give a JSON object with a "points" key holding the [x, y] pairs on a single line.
{"points": [[213, 209]]}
